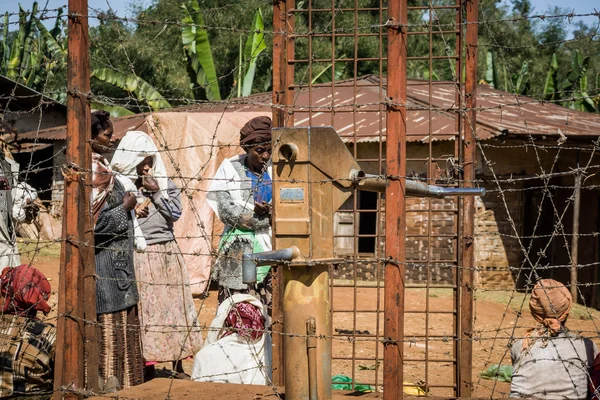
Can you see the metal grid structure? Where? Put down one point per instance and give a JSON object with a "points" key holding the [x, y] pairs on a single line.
{"points": [[375, 119]]}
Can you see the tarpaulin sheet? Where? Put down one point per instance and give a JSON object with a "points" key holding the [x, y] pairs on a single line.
{"points": [[193, 145]]}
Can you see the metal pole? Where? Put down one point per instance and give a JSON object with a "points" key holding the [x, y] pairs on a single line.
{"points": [[279, 98], [76, 293], [468, 205], [395, 208], [575, 237], [278, 62]]}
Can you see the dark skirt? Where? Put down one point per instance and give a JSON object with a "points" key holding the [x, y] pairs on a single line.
{"points": [[121, 347]]}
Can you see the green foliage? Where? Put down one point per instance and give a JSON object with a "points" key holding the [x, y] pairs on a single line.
{"points": [[197, 46], [32, 55], [520, 81], [228, 51], [133, 84], [551, 85], [114, 110], [491, 72], [575, 86], [18, 55], [326, 74], [254, 46]]}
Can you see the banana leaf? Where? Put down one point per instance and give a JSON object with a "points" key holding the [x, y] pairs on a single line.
{"points": [[57, 30], [325, 75], [35, 75], [18, 48], [551, 85], [5, 48], [434, 76], [254, 46], [521, 81], [55, 50], [195, 42], [240, 70], [491, 71], [115, 111], [134, 84]]}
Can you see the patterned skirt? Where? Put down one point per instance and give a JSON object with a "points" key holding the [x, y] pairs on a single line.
{"points": [[120, 347], [170, 328]]}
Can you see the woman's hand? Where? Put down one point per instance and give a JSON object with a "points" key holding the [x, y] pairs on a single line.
{"points": [[149, 183], [31, 211], [262, 209], [129, 201], [142, 212]]}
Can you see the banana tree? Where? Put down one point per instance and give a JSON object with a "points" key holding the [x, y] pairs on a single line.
{"points": [[201, 67], [574, 89], [576, 85], [37, 53], [17, 59], [255, 44], [551, 85]]}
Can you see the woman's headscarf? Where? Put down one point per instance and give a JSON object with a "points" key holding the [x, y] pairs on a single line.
{"points": [[550, 305], [246, 320], [25, 291], [133, 148], [103, 182], [256, 131]]}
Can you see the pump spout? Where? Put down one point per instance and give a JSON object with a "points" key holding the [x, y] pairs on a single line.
{"points": [[251, 261], [421, 189], [374, 183]]}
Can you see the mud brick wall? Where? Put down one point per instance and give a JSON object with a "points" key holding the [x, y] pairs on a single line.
{"points": [[496, 248], [443, 248]]}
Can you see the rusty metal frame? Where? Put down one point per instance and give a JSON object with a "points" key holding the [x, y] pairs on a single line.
{"points": [[395, 213], [468, 204], [76, 332], [394, 28]]}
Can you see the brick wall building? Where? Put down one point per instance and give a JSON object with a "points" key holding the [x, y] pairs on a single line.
{"points": [[513, 226]]}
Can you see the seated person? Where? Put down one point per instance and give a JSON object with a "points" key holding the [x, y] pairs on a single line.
{"points": [[550, 362], [26, 343], [237, 348]]}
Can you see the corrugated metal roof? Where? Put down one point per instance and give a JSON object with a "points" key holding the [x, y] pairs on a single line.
{"points": [[360, 117], [18, 97]]}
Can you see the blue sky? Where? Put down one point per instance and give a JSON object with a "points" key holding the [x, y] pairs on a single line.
{"points": [[578, 6], [12, 6], [121, 8]]}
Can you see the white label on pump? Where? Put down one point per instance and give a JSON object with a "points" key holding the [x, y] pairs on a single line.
{"points": [[291, 195]]}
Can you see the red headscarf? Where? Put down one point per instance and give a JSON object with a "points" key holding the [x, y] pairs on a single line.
{"points": [[25, 291], [246, 320]]}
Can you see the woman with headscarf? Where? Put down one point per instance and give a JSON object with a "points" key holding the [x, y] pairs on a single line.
{"points": [[121, 361], [238, 348], [26, 343], [550, 362], [240, 196], [170, 329]]}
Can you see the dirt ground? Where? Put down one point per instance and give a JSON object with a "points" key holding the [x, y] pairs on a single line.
{"points": [[496, 321]]}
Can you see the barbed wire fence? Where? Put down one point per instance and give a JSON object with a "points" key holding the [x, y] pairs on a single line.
{"points": [[524, 226]]}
